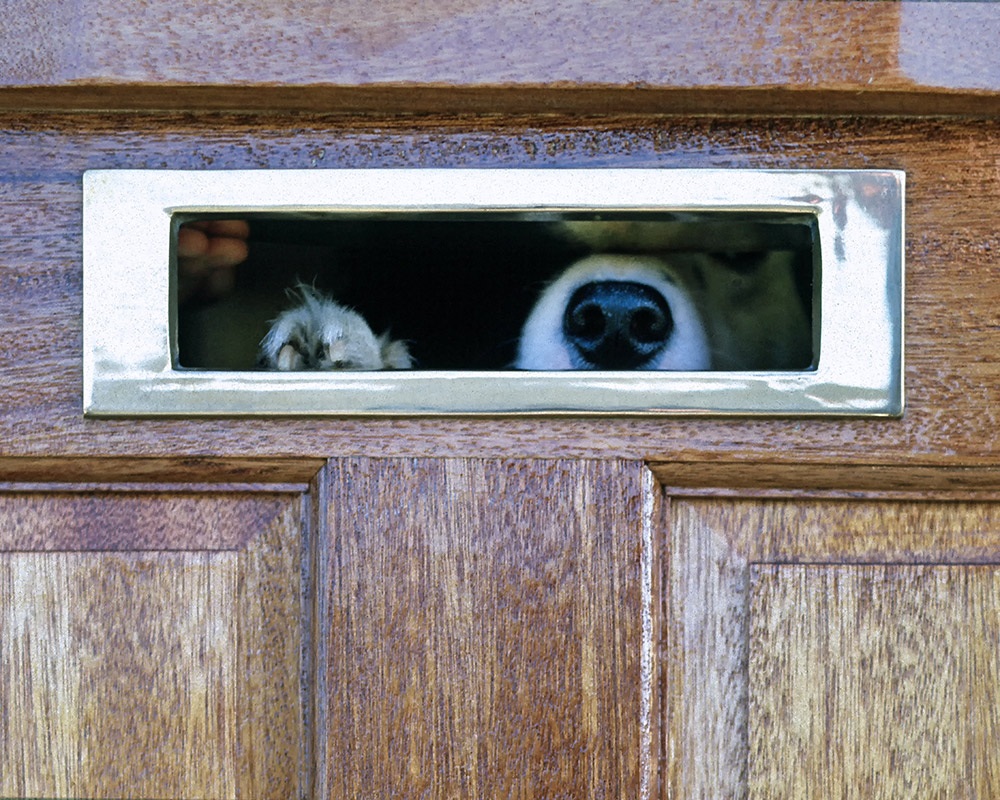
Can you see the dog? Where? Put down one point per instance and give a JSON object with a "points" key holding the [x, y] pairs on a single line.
{"points": [[640, 303]]}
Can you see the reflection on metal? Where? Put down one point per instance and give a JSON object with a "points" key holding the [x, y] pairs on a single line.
{"points": [[130, 341]]}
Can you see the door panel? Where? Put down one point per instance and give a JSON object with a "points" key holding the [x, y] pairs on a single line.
{"points": [[150, 645], [874, 681], [740, 628], [488, 630]]}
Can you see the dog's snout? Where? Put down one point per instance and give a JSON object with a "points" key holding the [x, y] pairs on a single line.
{"points": [[617, 324]]}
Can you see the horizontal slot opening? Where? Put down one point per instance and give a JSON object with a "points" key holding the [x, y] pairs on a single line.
{"points": [[704, 291]]}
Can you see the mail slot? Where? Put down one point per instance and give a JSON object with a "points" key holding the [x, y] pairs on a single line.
{"points": [[498, 292]]}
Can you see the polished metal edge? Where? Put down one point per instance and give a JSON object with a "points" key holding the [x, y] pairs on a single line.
{"points": [[128, 365]]}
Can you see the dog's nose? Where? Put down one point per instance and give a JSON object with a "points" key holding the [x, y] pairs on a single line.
{"points": [[617, 324]]}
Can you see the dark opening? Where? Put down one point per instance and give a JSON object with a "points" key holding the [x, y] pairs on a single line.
{"points": [[458, 286]]}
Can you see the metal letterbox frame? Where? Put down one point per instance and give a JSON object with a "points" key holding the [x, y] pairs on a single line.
{"points": [[129, 358]]}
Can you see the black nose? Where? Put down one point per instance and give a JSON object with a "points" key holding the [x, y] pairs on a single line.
{"points": [[617, 324]]}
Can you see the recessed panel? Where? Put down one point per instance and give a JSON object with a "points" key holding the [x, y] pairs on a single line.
{"points": [[873, 681], [152, 645]]}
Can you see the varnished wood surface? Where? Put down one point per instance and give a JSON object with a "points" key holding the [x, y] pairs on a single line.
{"points": [[160, 469], [536, 100], [873, 681], [561, 55], [952, 292], [713, 545], [871, 481], [152, 646], [106, 521], [487, 630]]}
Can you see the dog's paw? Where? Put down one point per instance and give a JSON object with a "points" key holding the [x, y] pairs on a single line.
{"points": [[344, 340], [395, 354], [321, 334], [288, 345]]}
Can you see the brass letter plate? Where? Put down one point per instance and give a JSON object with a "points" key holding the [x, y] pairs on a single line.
{"points": [[832, 241]]}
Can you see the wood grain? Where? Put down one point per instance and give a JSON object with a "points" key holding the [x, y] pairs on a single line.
{"points": [[873, 681], [93, 713], [713, 545], [487, 630], [143, 661], [953, 286], [112, 521], [403, 100], [162, 469], [872, 481], [696, 56]]}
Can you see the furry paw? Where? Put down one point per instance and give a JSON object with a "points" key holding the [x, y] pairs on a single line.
{"points": [[321, 334]]}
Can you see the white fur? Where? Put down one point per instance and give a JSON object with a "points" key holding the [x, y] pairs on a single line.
{"points": [[319, 333], [543, 345]]}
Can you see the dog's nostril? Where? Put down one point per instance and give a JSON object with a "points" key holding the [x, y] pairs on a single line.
{"points": [[648, 324], [586, 321], [617, 324]]}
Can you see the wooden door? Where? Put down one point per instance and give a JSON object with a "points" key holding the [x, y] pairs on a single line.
{"points": [[500, 607]]}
